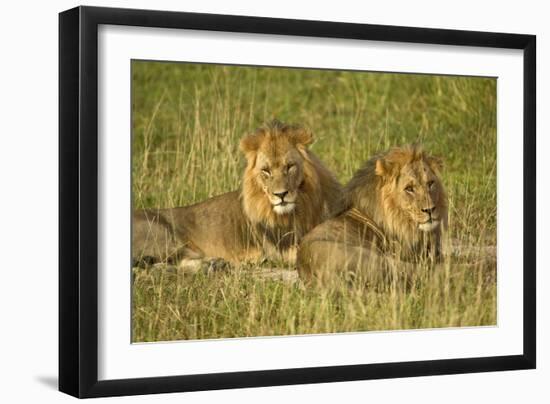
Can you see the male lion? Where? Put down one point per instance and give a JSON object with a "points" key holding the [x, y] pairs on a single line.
{"points": [[285, 192], [396, 209]]}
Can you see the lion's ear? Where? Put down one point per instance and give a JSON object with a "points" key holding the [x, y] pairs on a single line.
{"points": [[384, 168], [251, 143], [435, 163], [301, 137]]}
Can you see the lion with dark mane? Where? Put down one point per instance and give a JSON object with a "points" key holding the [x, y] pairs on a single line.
{"points": [[396, 210], [285, 192]]}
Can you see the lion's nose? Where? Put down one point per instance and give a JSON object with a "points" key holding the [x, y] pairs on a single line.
{"points": [[429, 211], [281, 194]]}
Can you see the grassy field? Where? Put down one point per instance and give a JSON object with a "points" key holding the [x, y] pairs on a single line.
{"points": [[187, 121]]}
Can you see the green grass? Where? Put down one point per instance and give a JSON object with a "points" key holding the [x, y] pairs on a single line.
{"points": [[187, 121]]}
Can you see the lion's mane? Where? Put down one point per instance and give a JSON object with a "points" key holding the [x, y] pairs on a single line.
{"points": [[319, 196], [371, 193]]}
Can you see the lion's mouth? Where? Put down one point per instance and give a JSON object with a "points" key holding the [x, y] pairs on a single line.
{"points": [[429, 225], [284, 207]]}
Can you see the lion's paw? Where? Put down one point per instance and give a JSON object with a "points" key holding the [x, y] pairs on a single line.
{"points": [[216, 265]]}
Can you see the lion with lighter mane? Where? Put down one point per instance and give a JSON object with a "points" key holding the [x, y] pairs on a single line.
{"points": [[285, 192], [396, 210]]}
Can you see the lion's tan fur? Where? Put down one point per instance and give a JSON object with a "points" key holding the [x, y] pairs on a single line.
{"points": [[242, 225], [373, 192]]}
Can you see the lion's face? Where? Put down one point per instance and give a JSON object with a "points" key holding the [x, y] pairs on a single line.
{"points": [[275, 167], [413, 190], [418, 194], [279, 173]]}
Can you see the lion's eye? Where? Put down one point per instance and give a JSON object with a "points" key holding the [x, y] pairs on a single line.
{"points": [[291, 168], [409, 189], [430, 184], [266, 173]]}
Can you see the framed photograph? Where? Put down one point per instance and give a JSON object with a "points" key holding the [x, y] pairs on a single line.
{"points": [[251, 201]]}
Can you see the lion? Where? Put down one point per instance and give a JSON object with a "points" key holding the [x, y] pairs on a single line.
{"points": [[395, 213], [285, 192]]}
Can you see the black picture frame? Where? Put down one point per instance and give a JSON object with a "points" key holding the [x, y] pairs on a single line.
{"points": [[78, 201]]}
